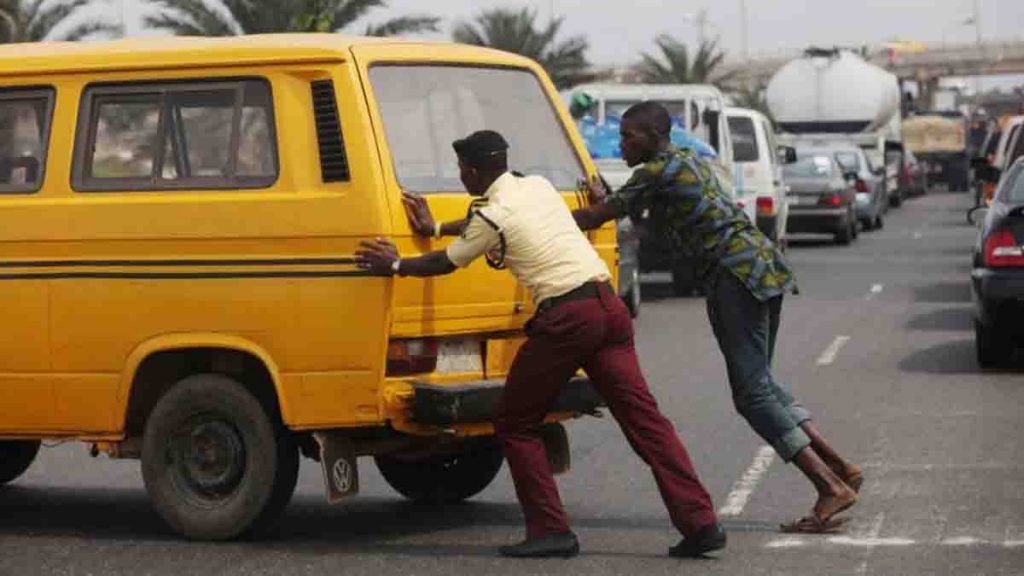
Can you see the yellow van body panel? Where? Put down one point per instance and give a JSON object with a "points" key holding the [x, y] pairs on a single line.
{"points": [[104, 280]]}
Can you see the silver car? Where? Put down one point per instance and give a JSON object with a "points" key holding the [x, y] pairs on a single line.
{"points": [[872, 201]]}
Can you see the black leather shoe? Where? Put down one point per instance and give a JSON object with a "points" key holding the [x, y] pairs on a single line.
{"points": [[563, 545], [707, 539]]}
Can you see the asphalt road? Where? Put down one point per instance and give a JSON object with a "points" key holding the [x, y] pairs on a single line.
{"points": [[878, 345]]}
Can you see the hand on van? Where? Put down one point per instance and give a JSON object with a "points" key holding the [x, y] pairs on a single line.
{"points": [[377, 257], [420, 218], [596, 189]]}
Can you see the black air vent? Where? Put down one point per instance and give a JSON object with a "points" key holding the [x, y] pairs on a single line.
{"points": [[333, 163]]}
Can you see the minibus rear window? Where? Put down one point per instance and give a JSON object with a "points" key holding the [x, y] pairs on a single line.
{"points": [[744, 139], [425, 107], [24, 132]]}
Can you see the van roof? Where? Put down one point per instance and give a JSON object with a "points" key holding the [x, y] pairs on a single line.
{"points": [[648, 91], [184, 51], [748, 112]]}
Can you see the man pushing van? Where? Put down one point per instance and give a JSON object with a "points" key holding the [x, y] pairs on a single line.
{"points": [[580, 323]]}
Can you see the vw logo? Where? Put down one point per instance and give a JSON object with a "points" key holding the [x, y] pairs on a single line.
{"points": [[341, 475]]}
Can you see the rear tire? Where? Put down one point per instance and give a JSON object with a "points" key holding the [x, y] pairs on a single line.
{"points": [[442, 478], [845, 234], [879, 223], [15, 458], [992, 350], [214, 464]]}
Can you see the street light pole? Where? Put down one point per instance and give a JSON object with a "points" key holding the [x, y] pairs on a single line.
{"points": [[743, 30], [977, 43]]}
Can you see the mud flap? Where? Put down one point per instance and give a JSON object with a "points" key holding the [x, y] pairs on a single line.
{"points": [[338, 460], [556, 443]]}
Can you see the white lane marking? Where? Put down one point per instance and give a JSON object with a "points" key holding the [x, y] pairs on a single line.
{"points": [[791, 542], [798, 541], [829, 354], [870, 542], [876, 289], [876, 529], [962, 541], [917, 235], [744, 487]]}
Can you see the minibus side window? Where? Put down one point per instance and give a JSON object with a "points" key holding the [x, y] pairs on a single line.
{"points": [[24, 133], [197, 135]]}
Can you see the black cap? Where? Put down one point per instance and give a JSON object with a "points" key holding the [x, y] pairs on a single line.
{"points": [[479, 146]]}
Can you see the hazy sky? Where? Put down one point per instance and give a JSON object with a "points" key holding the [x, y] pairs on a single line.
{"points": [[619, 31]]}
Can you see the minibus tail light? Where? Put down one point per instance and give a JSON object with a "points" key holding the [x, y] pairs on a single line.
{"points": [[416, 356]]}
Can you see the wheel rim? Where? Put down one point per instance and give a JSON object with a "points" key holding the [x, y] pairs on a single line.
{"points": [[206, 458]]}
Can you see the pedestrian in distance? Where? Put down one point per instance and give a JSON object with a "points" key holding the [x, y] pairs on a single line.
{"points": [[690, 212], [525, 225]]}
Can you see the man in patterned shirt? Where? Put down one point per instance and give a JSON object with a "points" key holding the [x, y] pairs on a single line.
{"points": [[692, 214]]}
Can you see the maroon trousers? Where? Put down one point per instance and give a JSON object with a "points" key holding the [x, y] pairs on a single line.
{"points": [[597, 335]]}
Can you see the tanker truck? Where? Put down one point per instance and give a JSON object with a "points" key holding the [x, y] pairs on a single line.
{"points": [[830, 96]]}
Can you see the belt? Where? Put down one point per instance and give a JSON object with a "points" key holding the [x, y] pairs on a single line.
{"points": [[586, 290]]}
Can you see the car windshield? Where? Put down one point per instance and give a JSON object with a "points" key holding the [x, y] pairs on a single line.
{"points": [[1011, 191], [425, 108], [809, 166]]}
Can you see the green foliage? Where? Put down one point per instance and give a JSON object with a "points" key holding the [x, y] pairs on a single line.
{"points": [[752, 96], [237, 17], [31, 21], [518, 31], [674, 65]]}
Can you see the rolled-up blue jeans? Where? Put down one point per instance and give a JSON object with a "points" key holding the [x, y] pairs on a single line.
{"points": [[745, 328]]}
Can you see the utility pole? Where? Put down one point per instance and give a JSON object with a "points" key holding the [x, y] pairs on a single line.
{"points": [[702, 21], [743, 30], [977, 43]]}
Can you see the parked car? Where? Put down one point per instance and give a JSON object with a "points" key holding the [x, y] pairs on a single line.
{"points": [[821, 200], [914, 178], [997, 278], [629, 266], [759, 170], [868, 187]]}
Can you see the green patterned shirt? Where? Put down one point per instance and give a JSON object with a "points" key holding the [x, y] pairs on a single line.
{"points": [[688, 211]]}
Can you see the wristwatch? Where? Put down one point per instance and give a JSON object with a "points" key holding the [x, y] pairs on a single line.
{"points": [[395, 265]]}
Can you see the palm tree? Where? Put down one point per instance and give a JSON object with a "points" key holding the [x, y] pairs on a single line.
{"points": [[236, 17], [518, 31], [30, 21], [752, 96], [676, 67]]}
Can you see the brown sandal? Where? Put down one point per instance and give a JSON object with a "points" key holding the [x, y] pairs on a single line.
{"points": [[813, 525], [855, 481]]}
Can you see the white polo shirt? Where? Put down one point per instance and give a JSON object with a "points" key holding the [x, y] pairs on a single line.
{"points": [[544, 248]]}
